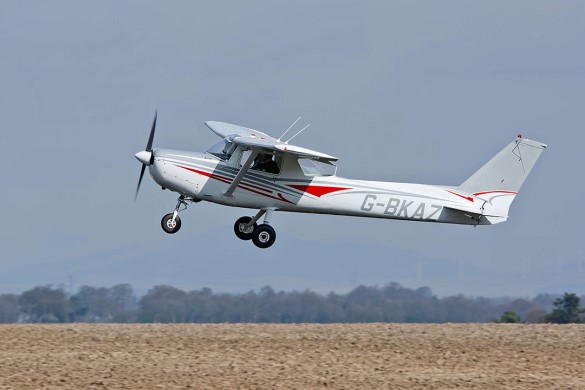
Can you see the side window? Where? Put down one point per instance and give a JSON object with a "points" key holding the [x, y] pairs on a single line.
{"points": [[317, 168], [223, 149], [264, 162]]}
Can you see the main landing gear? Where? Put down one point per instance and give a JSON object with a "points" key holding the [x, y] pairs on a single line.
{"points": [[263, 235], [171, 223], [246, 228]]}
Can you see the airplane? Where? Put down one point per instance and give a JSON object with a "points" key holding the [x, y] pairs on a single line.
{"points": [[251, 169]]}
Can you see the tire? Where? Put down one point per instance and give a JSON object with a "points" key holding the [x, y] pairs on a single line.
{"points": [[239, 225], [167, 223], [264, 236]]}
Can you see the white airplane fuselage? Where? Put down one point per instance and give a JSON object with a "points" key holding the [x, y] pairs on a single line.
{"points": [[204, 176]]}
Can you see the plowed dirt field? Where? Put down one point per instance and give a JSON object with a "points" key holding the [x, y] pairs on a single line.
{"points": [[304, 356]]}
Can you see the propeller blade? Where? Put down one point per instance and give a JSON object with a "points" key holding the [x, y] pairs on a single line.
{"points": [[148, 151], [149, 144], [139, 181]]}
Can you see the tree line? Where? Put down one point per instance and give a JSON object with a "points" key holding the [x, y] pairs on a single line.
{"points": [[388, 303]]}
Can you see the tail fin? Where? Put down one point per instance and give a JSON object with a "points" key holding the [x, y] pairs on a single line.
{"points": [[500, 179]]}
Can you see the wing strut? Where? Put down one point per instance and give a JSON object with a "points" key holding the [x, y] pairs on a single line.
{"points": [[229, 192]]}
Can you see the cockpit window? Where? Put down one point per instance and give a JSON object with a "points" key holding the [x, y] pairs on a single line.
{"points": [[265, 162], [223, 149], [317, 168]]}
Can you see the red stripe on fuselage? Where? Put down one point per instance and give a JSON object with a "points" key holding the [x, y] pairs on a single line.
{"points": [[317, 191], [244, 186], [210, 175], [469, 198]]}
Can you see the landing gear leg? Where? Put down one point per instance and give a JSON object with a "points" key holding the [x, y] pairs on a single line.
{"points": [[171, 223], [263, 236], [245, 226]]}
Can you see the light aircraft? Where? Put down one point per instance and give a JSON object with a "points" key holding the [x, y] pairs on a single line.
{"points": [[251, 169]]}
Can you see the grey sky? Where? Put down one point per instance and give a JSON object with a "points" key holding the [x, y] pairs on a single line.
{"points": [[400, 91]]}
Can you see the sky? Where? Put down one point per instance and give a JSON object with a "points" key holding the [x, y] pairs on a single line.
{"points": [[422, 92]]}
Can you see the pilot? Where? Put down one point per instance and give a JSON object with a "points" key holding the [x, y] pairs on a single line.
{"points": [[264, 162]]}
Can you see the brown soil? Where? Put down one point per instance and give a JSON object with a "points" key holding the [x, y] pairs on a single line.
{"points": [[306, 356]]}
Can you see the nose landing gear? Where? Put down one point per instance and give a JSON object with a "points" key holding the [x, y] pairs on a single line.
{"points": [[263, 235], [171, 223]]}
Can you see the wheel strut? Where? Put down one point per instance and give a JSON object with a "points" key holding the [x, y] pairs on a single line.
{"points": [[259, 215], [171, 222], [263, 236], [182, 201]]}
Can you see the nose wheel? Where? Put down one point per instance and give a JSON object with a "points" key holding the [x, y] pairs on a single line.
{"points": [[171, 223], [263, 235]]}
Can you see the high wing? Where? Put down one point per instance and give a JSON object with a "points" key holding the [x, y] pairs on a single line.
{"points": [[226, 129], [259, 141]]}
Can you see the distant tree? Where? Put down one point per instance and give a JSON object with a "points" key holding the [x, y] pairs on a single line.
{"points": [[462, 309], [44, 304], [9, 312], [566, 310], [545, 301], [87, 305], [165, 304], [510, 317], [521, 307], [366, 304], [91, 304], [123, 303], [388, 303], [201, 307]]}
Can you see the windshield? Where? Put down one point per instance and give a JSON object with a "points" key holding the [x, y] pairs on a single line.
{"points": [[223, 149], [317, 168]]}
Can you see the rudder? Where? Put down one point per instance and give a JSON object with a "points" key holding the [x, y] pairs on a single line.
{"points": [[500, 179]]}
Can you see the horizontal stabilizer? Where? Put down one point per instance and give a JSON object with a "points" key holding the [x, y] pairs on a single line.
{"points": [[458, 215]]}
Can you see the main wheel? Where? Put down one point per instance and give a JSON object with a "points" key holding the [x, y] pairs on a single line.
{"points": [[264, 236], [169, 225], [240, 228]]}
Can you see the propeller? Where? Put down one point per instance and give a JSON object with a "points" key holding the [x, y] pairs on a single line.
{"points": [[145, 156]]}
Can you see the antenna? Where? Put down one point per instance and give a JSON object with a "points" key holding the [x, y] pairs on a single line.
{"points": [[297, 133], [291, 126]]}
